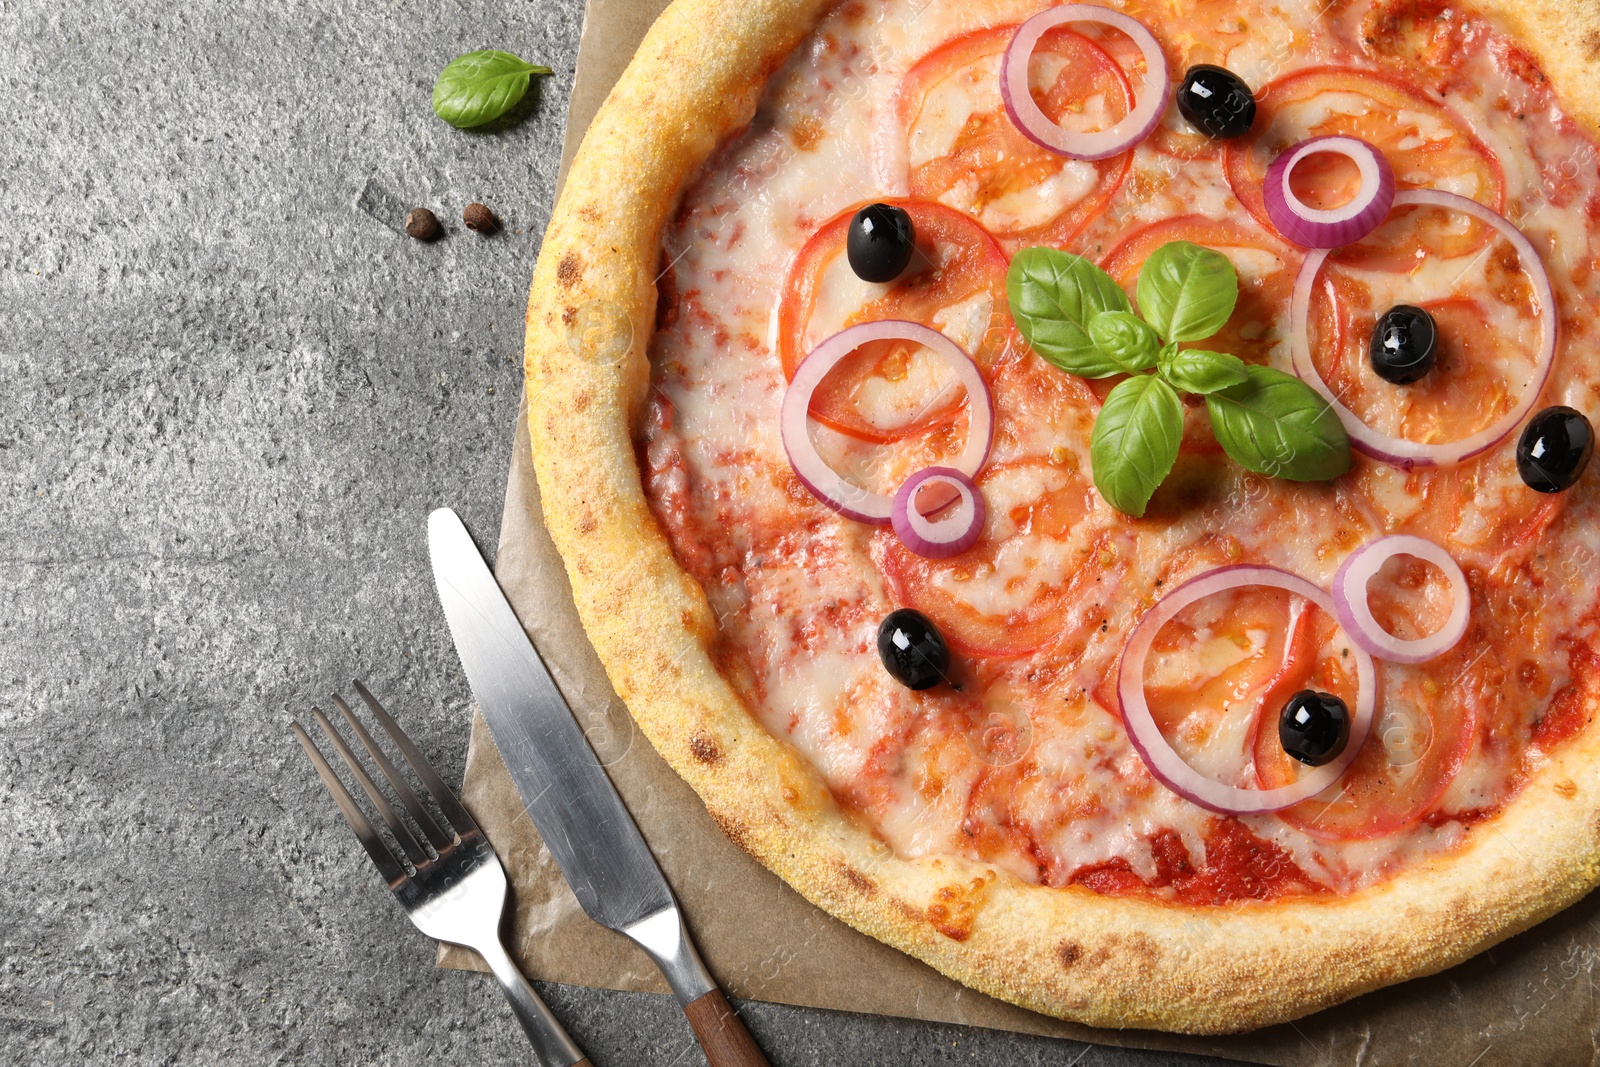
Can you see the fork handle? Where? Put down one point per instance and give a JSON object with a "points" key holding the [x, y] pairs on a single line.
{"points": [[550, 1042]]}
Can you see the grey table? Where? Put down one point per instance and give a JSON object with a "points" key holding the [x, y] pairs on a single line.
{"points": [[228, 399]]}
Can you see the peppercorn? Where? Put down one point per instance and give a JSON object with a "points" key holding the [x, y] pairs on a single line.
{"points": [[478, 217], [423, 224]]}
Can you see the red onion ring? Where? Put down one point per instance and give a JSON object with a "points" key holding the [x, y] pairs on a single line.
{"points": [[847, 498], [1354, 613], [1037, 127], [1346, 224], [949, 535], [1163, 760], [1397, 450]]}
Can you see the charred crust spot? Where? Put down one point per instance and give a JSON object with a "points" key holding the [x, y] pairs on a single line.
{"points": [[704, 747], [586, 522], [1135, 946], [1069, 953], [1566, 788], [569, 270], [581, 401], [569, 315], [857, 881], [731, 830], [589, 213], [1591, 45]]}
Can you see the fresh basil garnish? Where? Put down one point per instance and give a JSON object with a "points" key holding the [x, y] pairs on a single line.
{"points": [[1123, 338], [1187, 292], [1077, 317], [479, 87], [1054, 296], [1135, 441], [1195, 370], [1274, 423]]}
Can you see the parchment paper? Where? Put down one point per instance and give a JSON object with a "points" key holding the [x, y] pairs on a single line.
{"points": [[1529, 1001]]}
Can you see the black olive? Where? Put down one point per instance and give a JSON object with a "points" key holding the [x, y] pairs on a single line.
{"points": [[1216, 101], [1314, 727], [1554, 449], [912, 650], [881, 242], [1404, 344]]}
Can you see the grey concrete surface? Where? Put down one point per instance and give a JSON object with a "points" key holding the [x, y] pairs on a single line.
{"points": [[228, 399]]}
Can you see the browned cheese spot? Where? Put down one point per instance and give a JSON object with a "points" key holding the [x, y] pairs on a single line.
{"points": [[955, 907], [806, 132]]}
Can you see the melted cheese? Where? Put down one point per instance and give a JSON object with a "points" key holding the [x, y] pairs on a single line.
{"points": [[1025, 767]]}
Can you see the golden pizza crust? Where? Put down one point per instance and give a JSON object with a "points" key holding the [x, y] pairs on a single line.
{"points": [[1072, 953]]}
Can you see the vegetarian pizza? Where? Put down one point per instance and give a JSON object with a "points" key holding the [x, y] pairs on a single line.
{"points": [[1096, 496]]}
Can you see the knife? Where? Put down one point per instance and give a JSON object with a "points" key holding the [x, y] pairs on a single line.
{"points": [[573, 804]]}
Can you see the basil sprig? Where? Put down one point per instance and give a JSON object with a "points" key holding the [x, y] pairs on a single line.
{"points": [[1074, 315], [479, 87]]}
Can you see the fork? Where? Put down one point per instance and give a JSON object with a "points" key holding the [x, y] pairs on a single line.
{"points": [[454, 888]]}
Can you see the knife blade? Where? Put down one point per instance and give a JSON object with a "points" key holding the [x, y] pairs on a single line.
{"points": [[572, 803]]}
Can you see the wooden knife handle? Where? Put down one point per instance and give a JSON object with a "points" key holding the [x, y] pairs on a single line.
{"points": [[722, 1036]]}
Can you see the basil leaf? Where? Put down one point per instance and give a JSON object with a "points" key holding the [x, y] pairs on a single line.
{"points": [[1054, 295], [1276, 424], [1197, 371], [1135, 442], [479, 87], [1187, 292], [1122, 337]]}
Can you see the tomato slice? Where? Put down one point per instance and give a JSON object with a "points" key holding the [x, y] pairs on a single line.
{"points": [[963, 150], [1479, 375], [1423, 728], [1217, 665], [1473, 382], [1479, 510], [890, 390], [1036, 565], [1426, 143]]}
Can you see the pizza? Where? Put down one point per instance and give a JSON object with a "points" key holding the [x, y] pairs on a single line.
{"points": [[1094, 496]]}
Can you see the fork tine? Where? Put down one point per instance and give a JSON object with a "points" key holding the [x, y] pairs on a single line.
{"points": [[408, 841], [454, 813], [388, 868], [408, 799]]}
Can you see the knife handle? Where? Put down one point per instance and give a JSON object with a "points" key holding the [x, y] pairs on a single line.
{"points": [[721, 1034]]}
